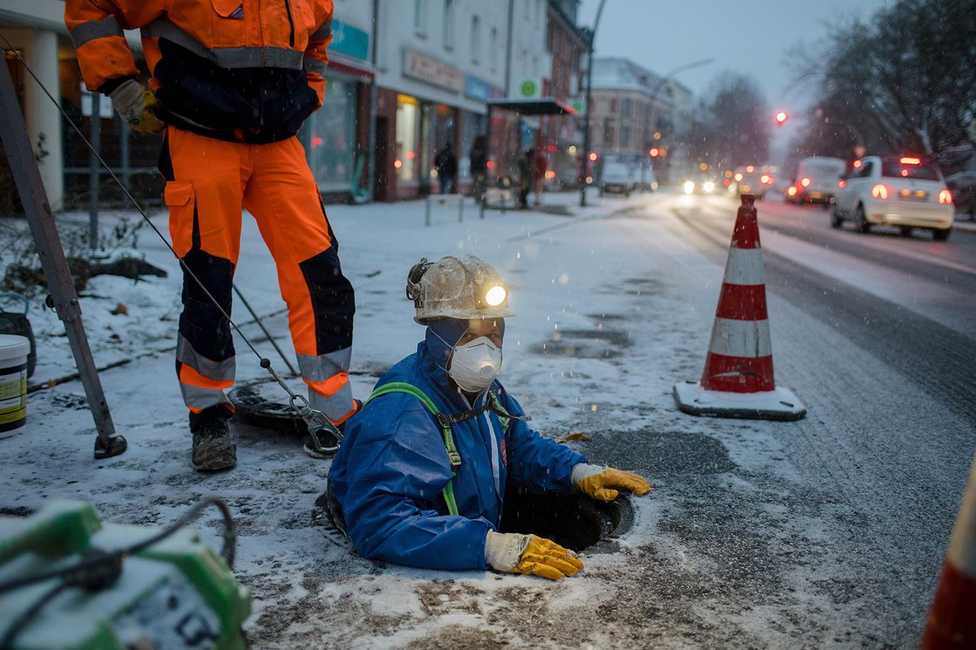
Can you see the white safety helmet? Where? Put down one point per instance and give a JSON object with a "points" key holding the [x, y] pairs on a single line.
{"points": [[462, 288]]}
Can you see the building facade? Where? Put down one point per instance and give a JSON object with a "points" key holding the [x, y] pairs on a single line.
{"points": [[438, 63], [562, 136]]}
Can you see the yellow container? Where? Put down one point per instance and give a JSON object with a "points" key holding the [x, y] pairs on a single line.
{"points": [[13, 383]]}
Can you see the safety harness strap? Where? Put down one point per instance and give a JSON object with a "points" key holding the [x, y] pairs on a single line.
{"points": [[452, 453]]}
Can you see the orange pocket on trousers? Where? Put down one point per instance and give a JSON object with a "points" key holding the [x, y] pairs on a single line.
{"points": [[180, 200]]}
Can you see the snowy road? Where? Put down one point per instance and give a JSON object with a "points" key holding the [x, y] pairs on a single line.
{"points": [[824, 532]]}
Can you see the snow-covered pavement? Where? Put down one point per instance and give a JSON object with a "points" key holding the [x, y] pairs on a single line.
{"points": [[757, 534]]}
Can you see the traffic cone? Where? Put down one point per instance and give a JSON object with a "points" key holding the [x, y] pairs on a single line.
{"points": [[952, 619], [738, 378]]}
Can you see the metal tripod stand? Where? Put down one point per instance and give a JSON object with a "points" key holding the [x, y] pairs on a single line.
{"points": [[60, 284]]}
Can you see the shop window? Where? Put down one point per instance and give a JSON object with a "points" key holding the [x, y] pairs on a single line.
{"points": [[624, 137], [473, 125], [329, 135], [608, 132], [449, 24], [475, 39], [407, 125]]}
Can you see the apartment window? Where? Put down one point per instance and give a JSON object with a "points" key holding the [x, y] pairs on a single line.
{"points": [[625, 108], [420, 17], [613, 104], [449, 24], [624, 137], [493, 48], [475, 39], [608, 132]]}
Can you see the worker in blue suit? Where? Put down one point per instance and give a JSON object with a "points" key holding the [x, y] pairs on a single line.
{"points": [[421, 474]]}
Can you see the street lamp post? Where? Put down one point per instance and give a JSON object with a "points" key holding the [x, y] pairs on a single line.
{"points": [[586, 109]]}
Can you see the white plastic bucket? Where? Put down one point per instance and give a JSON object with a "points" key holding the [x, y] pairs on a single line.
{"points": [[13, 383]]}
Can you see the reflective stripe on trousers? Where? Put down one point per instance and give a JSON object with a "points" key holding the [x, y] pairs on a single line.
{"points": [[327, 376]]}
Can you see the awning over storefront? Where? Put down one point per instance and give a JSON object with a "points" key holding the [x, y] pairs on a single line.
{"points": [[539, 106]]}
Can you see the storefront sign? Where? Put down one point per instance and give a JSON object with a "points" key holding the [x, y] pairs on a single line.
{"points": [[530, 89], [429, 70], [348, 40], [481, 90]]}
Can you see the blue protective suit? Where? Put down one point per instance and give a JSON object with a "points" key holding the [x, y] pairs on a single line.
{"points": [[392, 466]]}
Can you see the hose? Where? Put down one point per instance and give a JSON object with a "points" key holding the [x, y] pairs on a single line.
{"points": [[100, 569]]}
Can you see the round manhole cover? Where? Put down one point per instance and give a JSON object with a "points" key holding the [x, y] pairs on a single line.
{"points": [[264, 404]]}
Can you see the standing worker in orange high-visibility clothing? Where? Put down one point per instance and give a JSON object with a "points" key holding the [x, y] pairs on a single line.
{"points": [[231, 83]]}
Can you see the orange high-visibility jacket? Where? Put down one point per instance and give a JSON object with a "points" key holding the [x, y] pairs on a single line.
{"points": [[220, 67]]}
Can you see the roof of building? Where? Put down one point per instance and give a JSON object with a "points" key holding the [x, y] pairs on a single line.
{"points": [[619, 73]]}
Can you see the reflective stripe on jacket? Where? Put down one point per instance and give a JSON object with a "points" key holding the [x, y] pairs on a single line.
{"points": [[392, 466], [236, 57]]}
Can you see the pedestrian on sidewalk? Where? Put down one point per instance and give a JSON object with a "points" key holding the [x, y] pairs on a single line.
{"points": [[424, 467], [231, 83], [539, 168], [479, 166], [446, 165], [526, 164]]}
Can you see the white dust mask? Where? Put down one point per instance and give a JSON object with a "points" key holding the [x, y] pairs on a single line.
{"points": [[475, 364]]}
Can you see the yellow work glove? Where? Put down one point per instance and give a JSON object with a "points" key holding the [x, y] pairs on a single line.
{"points": [[137, 106], [605, 483], [530, 555]]}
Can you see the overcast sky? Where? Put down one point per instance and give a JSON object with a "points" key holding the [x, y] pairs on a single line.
{"points": [[750, 36]]}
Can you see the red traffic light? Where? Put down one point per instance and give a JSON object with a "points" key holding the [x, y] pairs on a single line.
{"points": [[654, 152], [782, 117]]}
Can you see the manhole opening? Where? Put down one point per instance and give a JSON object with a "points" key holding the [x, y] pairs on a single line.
{"points": [[575, 521]]}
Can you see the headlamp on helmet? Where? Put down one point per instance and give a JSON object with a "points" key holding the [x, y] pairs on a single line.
{"points": [[495, 295], [462, 288]]}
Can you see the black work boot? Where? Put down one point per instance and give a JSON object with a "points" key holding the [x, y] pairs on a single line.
{"points": [[213, 445]]}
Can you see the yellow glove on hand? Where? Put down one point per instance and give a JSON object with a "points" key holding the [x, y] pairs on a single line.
{"points": [[605, 483], [137, 106], [530, 555]]}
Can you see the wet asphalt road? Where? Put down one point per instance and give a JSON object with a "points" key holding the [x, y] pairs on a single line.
{"points": [[941, 357], [828, 532]]}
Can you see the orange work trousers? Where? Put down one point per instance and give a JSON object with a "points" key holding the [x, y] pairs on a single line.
{"points": [[209, 183]]}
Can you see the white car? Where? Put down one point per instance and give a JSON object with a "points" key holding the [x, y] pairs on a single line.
{"points": [[618, 177], [816, 180], [905, 191]]}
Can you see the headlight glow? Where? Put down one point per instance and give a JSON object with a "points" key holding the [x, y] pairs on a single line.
{"points": [[708, 187], [689, 187], [495, 296]]}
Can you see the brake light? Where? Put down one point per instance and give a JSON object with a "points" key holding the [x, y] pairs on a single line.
{"points": [[791, 191], [857, 164], [879, 192], [911, 161], [945, 197], [765, 179], [842, 184], [805, 182]]}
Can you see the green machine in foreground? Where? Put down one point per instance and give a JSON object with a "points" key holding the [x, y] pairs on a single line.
{"points": [[67, 580]]}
